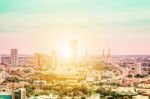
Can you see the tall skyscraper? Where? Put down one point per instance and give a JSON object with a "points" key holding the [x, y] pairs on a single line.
{"points": [[109, 53], [37, 59], [138, 68], [54, 59], [42, 61], [14, 57], [73, 50], [86, 53], [103, 53]]}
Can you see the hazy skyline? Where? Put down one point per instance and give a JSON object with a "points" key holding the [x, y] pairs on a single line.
{"points": [[43, 25]]}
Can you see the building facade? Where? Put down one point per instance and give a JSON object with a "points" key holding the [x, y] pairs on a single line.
{"points": [[73, 50], [14, 57]]}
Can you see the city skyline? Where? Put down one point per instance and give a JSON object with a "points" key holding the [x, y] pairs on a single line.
{"points": [[43, 26]]}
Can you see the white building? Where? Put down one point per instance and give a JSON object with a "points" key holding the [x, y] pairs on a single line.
{"points": [[138, 68], [14, 57], [22, 92], [140, 97]]}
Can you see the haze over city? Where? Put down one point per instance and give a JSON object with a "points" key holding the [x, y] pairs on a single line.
{"points": [[74, 49], [44, 25]]}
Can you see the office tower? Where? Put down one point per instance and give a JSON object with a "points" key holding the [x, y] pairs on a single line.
{"points": [[14, 57], [20, 93], [109, 54], [41, 61], [54, 59], [86, 53], [103, 54], [138, 68], [23, 93], [37, 59], [73, 50]]}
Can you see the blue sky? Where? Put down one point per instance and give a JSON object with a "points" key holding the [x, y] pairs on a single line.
{"points": [[43, 25]]}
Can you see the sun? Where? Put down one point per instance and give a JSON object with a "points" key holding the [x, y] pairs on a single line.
{"points": [[64, 51]]}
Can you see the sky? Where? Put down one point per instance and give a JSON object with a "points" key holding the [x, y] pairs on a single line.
{"points": [[45, 25]]}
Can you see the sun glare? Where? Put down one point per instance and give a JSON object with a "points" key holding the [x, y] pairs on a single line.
{"points": [[64, 51]]}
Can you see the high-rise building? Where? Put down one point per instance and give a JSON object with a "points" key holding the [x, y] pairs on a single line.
{"points": [[14, 57], [42, 61], [109, 53], [138, 68], [54, 59], [20, 93], [103, 54], [73, 50], [86, 53], [37, 61]]}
